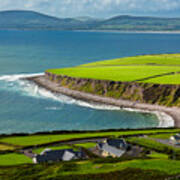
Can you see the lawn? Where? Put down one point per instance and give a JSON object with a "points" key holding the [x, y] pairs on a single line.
{"points": [[33, 140], [129, 69], [13, 159], [39, 150]]}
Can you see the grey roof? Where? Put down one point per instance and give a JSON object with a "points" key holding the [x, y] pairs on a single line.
{"points": [[177, 137], [118, 143], [111, 149], [58, 155]]}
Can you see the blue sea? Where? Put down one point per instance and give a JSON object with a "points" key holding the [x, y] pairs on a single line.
{"points": [[24, 107]]}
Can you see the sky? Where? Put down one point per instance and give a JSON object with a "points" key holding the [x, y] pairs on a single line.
{"points": [[96, 8]]}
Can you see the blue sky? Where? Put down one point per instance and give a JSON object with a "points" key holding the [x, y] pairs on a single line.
{"points": [[96, 8]]}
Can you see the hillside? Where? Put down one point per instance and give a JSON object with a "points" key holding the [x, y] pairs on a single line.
{"points": [[146, 157], [151, 79], [160, 69], [133, 23], [34, 20]]}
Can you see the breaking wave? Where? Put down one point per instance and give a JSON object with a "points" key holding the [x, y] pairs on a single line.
{"points": [[19, 84]]}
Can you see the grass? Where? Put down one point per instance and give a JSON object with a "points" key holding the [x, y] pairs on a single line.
{"points": [[13, 159], [153, 164], [33, 140], [155, 155], [163, 59], [6, 147], [170, 167], [162, 136], [86, 145], [129, 69], [39, 150], [153, 145], [171, 79], [116, 73]]}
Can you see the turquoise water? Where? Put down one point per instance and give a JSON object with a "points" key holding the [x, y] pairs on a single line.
{"points": [[25, 107]]}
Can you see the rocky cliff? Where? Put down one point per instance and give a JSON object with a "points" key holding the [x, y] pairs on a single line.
{"points": [[167, 95]]}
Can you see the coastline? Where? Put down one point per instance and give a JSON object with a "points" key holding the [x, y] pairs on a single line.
{"points": [[160, 111], [129, 32]]}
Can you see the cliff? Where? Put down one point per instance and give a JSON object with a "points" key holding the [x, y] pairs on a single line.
{"points": [[165, 95]]}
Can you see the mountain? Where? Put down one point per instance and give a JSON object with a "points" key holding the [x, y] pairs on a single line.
{"points": [[88, 19], [133, 23], [34, 20]]}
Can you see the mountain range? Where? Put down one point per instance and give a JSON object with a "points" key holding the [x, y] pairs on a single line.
{"points": [[25, 20]]}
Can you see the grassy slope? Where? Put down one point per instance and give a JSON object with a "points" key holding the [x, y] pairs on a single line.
{"points": [[59, 170], [14, 159], [154, 145], [86, 145], [43, 139], [6, 147], [164, 59], [39, 150], [128, 69], [158, 162]]}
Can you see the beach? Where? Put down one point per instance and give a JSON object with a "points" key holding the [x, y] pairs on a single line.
{"points": [[161, 111]]}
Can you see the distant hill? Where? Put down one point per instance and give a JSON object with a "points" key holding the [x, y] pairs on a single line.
{"points": [[133, 23], [33, 20]]}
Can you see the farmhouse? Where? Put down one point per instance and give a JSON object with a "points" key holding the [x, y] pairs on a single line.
{"points": [[113, 147], [49, 155], [175, 139]]}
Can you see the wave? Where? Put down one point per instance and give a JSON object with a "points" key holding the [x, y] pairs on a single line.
{"points": [[31, 89], [164, 119], [16, 77]]}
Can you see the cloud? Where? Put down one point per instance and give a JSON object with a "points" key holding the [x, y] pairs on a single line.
{"points": [[102, 8]]}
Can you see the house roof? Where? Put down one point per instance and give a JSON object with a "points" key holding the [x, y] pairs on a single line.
{"points": [[112, 150], [58, 155], [118, 143], [177, 137]]}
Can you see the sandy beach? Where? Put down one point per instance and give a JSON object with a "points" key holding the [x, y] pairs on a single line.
{"points": [[42, 81]]}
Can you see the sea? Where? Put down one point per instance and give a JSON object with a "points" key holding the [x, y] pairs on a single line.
{"points": [[27, 108]]}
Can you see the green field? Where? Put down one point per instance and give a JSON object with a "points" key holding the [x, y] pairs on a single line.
{"points": [[39, 150], [153, 145], [14, 159], [163, 59], [82, 170], [86, 145], [129, 69], [33, 140], [156, 165], [4, 147]]}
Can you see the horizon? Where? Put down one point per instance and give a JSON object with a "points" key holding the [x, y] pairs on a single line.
{"points": [[96, 8]]}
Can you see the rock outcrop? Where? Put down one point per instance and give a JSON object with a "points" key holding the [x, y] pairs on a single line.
{"points": [[166, 95]]}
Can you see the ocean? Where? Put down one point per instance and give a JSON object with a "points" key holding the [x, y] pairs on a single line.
{"points": [[24, 107]]}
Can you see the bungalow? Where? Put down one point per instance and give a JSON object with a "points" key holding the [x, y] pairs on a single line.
{"points": [[175, 139], [49, 155], [113, 147]]}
